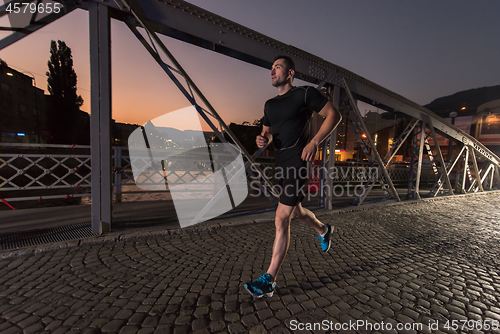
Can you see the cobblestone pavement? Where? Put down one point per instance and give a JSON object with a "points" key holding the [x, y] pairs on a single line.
{"points": [[421, 263]]}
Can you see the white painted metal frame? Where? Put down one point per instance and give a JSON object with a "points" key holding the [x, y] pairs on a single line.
{"points": [[412, 177], [36, 181], [184, 21], [387, 160], [326, 181], [442, 166], [100, 117], [135, 10], [439, 183], [372, 157], [399, 142]]}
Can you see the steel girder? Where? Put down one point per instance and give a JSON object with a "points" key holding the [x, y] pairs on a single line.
{"points": [[189, 23], [100, 117], [370, 151], [328, 164], [33, 24], [192, 24], [265, 185], [184, 21]]}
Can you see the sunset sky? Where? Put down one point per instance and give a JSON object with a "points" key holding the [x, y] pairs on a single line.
{"points": [[419, 49]]}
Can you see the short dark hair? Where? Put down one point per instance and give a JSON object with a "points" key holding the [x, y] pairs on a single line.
{"points": [[290, 65]]}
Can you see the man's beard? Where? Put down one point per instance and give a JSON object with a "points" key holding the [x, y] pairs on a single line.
{"points": [[278, 83]]}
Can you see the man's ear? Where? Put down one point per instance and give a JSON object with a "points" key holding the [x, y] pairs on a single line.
{"points": [[291, 73]]}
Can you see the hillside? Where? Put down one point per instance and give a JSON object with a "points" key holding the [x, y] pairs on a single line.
{"points": [[470, 99]]}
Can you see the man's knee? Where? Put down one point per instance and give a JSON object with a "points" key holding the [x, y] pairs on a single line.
{"points": [[282, 222], [282, 219], [297, 214], [302, 214], [284, 211]]}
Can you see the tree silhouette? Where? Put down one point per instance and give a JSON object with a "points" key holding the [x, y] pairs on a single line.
{"points": [[63, 107]]}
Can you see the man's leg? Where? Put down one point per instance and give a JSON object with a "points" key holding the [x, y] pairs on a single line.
{"points": [[265, 285], [308, 218], [281, 239]]}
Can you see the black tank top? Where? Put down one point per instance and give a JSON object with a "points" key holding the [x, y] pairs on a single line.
{"points": [[288, 116]]}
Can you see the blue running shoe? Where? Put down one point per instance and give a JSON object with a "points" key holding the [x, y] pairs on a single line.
{"points": [[326, 240], [261, 287]]}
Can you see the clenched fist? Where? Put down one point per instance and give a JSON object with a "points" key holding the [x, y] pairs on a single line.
{"points": [[262, 139]]}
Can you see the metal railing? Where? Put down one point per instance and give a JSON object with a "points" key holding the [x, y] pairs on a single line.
{"points": [[43, 171], [36, 171], [361, 174]]}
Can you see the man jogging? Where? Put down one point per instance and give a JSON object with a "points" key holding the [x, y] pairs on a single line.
{"points": [[286, 120]]}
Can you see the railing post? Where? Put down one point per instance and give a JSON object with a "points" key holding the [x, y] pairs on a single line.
{"points": [[327, 191], [118, 173], [100, 117]]}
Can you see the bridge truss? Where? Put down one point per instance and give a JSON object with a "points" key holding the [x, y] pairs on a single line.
{"points": [[474, 167]]}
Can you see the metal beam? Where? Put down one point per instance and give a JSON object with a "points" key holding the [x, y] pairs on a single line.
{"points": [[465, 171], [400, 141], [439, 182], [187, 22], [138, 15], [476, 171], [492, 169], [381, 167], [184, 21], [420, 157], [442, 167], [20, 32], [331, 161], [100, 116], [412, 193], [266, 185]]}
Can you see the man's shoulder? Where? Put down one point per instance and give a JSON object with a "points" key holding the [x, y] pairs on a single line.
{"points": [[300, 89], [303, 90], [293, 91], [305, 87], [267, 102]]}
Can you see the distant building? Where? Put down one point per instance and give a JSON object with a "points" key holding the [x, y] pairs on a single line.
{"points": [[246, 135], [121, 132], [79, 127], [381, 128], [375, 122], [345, 147], [23, 115], [482, 123], [486, 125], [209, 136]]}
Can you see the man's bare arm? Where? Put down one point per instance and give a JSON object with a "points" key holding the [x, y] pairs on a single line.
{"points": [[265, 137], [332, 120]]}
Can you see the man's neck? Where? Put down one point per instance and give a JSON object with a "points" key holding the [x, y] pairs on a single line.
{"points": [[285, 88]]}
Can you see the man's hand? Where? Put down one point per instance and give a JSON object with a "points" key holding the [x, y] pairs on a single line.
{"points": [[262, 139], [309, 152]]}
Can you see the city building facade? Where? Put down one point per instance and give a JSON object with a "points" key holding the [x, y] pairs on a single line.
{"points": [[23, 117]]}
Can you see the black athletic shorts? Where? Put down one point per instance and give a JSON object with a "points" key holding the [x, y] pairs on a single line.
{"points": [[292, 185]]}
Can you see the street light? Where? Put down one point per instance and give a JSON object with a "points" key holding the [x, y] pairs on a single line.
{"points": [[453, 115], [36, 106]]}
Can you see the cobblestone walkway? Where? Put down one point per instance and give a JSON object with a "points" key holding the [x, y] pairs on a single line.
{"points": [[431, 263]]}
